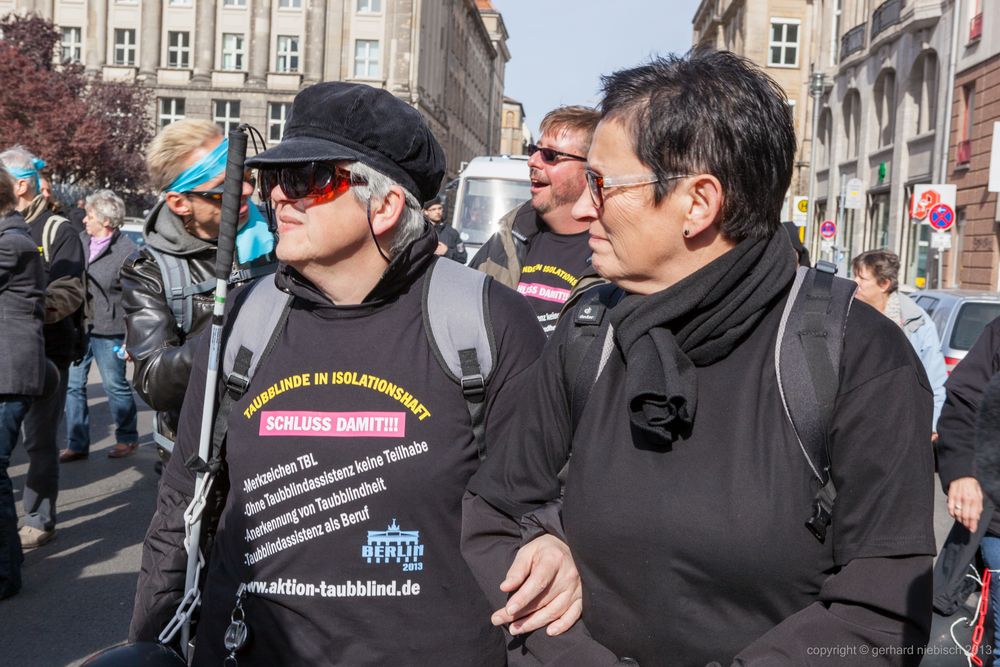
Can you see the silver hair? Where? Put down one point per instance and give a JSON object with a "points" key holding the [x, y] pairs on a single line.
{"points": [[108, 206], [411, 222], [19, 157]]}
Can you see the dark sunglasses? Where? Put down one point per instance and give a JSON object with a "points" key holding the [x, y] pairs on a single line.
{"points": [[215, 194], [315, 180], [549, 155]]}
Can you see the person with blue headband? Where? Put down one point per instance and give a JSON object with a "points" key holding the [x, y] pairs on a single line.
{"points": [[168, 286], [66, 340]]}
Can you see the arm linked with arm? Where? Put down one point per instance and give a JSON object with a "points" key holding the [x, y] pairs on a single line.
{"points": [[528, 435]]}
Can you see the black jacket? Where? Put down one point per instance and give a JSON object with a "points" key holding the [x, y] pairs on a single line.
{"points": [[162, 353], [959, 455], [449, 236], [64, 291], [104, 285], [22, 294]]}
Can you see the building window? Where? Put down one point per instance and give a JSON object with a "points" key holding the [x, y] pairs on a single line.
{"points": [[965, 138], [852, 123], [975, 20], [124, 46], [885, 107], [234, 3], [784, 51], [277, 114], [824, 151], [288, 54], [171, 109], [227, 115], [232, 51], [180, 3], [178, 48], [366, 65], [369, 6], [72, 44], [923, 91], [289, 4]]}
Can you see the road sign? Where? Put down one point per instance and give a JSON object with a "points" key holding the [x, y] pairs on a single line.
{"points": [[941, 241], [800, 211], [926, 197], [828, 229], [854, 194], [942, 217]]}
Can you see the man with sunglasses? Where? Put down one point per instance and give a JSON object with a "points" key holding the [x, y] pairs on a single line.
{"points": [[186, 162], [539, 249], [348, 454]]}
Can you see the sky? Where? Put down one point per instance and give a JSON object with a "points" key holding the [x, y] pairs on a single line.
{"points": [[559, 48]]}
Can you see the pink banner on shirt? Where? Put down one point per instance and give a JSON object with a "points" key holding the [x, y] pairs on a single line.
{"points": [[333, 424], [543, 292]]}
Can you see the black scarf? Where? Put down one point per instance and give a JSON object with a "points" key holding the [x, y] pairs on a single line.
{"points": [[695, 322]]}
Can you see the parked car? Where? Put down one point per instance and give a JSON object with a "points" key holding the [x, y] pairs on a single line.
{"points": [[960, 316], [132, 228]]}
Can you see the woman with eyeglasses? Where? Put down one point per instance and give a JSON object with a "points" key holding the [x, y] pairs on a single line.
{"points": [[687, 496], [163, 311]]}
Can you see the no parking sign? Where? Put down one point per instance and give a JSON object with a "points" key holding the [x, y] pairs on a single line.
{"points": [[828, 229], [941, 217]]}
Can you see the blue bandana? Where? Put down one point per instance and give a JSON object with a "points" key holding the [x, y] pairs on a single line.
{"points": [[203, 170], [254, 239], [32, 173]]}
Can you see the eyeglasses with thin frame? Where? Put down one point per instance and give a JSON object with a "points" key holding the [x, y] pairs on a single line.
{"points": [[215, 194], [314, 180], [550, 155], [597, 184]]}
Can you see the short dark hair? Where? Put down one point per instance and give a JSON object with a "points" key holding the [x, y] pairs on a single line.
{"points": [[710, 112], [883, 265]]}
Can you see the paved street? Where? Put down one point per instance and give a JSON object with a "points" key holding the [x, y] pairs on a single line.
{"points": [[78, 589]]}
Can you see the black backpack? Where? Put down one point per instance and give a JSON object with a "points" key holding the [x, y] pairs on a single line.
{"points": [[807, 365]]}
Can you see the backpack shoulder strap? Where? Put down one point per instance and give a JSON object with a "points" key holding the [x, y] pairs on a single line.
{"points": [[253, 329], [589, 344], [807, 357], [459, 329], [178, 286], [49, 231]]}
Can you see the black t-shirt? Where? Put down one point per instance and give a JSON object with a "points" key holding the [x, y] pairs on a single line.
{"points": [[690, 555], [348, 458], [552, 267]]}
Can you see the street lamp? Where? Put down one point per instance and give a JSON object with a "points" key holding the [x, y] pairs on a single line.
{"points": [[816, 85]]}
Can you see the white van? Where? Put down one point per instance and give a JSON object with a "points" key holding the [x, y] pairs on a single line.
{"points": [[484, 191]]}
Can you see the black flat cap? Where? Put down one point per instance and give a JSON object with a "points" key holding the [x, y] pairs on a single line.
{"points": [[353, 121]]}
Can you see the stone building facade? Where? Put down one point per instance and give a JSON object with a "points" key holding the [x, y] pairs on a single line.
{"points": [[514, 133], [885, 67], [972, 263], [778, 36], [243, 60], [881, 121]]}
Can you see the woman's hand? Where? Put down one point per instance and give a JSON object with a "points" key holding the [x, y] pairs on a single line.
{"points": [[965, 502], [546, 589]]}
